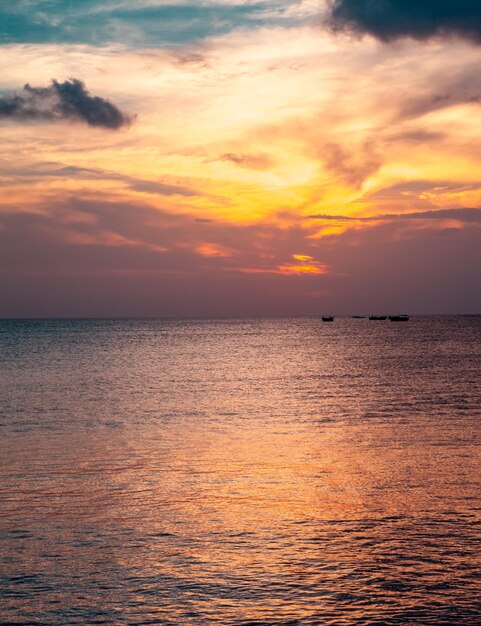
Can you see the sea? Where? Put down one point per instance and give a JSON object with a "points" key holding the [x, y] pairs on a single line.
{"points": [[241, 472]]}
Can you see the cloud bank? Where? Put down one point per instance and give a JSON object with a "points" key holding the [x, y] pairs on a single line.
{"points": [[388, 20], [101, 257], [67, 101]]}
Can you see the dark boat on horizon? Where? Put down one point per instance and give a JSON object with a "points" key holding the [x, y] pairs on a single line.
{"points": [[399, 318], [378, 317], [327, 318]]}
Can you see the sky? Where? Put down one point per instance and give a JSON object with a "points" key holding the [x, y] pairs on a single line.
{"points": [[239, 157]]}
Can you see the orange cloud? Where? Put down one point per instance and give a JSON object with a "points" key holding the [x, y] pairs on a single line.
{"points": [[307, 266], [213, 250]]}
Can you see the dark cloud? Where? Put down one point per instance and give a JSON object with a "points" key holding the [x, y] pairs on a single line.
{"points": [[69, 100], [335, 218], [465, 215], [420, 19]]}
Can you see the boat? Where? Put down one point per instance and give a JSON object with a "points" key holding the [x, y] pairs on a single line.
{"points": [[327, 318], [399, 318], [359, 317], [378, 317]]}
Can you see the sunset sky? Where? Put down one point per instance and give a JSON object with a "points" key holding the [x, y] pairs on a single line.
{"points": [[239, 157]]}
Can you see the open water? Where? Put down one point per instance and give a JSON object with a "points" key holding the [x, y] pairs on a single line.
{"points": [[240, 472]]}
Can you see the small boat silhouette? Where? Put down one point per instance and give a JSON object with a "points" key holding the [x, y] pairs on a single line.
{"points": [[327, 318], [399, 318], [378, 317]]}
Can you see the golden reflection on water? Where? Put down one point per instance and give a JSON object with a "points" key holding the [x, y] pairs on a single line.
{"points": [[241, 491]]}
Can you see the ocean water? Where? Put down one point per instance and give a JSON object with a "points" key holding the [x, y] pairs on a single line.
{"points": [[240, 472]]}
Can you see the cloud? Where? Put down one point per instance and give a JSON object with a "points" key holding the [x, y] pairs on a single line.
{"points": [[465, 215], [251, 161], [388, 20], [145, 23], [352, 166], [105, 234], [35, 173], [108, 258], [69, 100]]}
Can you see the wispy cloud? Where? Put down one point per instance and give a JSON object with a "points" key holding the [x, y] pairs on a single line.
{"points": [[142, 23], [251, 161], [463, 215], [35, 173]]}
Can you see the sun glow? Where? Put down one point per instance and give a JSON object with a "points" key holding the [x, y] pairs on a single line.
{"points": [[236, 145], [305, 265]]}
